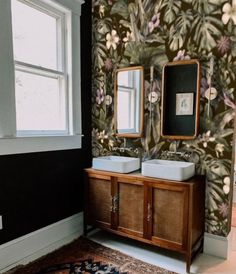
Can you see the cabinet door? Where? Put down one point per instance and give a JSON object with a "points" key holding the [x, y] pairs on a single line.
{"points": [[170, 216], [98, 202], [130, 209]]}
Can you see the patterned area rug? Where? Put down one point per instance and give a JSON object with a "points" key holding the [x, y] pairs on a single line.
{"points": [[87, 257]]}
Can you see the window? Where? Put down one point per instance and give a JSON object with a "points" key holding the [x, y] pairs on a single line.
{"points": [[40, 92], [40, 69]]}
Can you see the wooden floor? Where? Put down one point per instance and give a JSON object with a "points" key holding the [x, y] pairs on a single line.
{"points": [[234, 215]]}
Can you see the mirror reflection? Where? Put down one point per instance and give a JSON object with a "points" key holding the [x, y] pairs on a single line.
{"points": [[129, 102]]}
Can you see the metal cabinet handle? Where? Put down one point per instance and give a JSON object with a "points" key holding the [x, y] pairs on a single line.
{"points": [[111, 207], [115, 203], [149, 213]]}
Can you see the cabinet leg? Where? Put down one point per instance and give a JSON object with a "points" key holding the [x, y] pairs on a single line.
{"points": [[188, 262]]}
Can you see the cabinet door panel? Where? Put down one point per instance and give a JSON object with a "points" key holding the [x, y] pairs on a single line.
{"points": [[99, 201], [131, 207], [168, 215]]}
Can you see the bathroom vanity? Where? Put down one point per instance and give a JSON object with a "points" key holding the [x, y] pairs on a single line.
{"points": [[165, 213]]}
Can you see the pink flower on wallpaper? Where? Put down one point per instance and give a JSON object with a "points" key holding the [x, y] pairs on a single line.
{"points": [[204, 86], [108, 64], [100, 96], [181, 56], [223, 44], [154, 23], [223, 209], [228, 101]]}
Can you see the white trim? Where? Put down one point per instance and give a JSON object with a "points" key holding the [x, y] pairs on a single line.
{"points": [[37, 144], [21, 66], [39, 243], [218, 246], [73, 5], [9, 143]]}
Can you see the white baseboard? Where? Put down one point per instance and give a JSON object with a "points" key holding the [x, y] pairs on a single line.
{"points": [[38, 243], [218, 246]]}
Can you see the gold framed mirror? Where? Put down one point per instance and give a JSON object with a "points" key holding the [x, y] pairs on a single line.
{"points": [[180, 100], [129, 100]]}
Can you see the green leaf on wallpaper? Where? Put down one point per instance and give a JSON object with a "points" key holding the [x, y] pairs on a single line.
{"points": [[156, 132], [217, 2], [120, 8], [218, 167], [205, 29], [140, 53], [103, 27], [124, 63], [215, 195], [233, 51], [154, 151], [125, 24], [102, 124], [184, 21], [212, 204], [204, 6], [170, 10], [214, 223], [158, 56], [217, 186], [148, 130], [176, 39], [99, 54], [224, 133], [155, 38], [222, 119], [95, 111]]}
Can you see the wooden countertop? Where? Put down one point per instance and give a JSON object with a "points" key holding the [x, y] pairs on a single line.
{"points": [[136, 175]]}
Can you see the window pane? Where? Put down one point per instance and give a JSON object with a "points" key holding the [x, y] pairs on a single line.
{"points": [[39, 105], [34, 36], [125, 109]]}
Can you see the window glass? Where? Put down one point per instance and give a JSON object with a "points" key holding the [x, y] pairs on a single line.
{"points": [[125, 109], [39, 106], [34, 36]]}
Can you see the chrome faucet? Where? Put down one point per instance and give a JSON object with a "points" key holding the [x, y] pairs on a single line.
{"points": [[183, 154]]}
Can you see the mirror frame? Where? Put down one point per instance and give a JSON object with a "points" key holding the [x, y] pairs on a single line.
{"points": [[141, 122], [196, 104]]}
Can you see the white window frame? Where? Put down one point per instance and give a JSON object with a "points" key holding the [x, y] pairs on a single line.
{"points": [[10, 141]]}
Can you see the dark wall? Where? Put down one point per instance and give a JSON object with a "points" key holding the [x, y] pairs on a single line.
{"points": [[38, 189]]}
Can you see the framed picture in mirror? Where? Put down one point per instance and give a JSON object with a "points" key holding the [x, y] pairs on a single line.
{"points": [[184, 103]]}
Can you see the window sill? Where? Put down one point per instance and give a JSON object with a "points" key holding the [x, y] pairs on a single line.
{"points": [[17, 145]]}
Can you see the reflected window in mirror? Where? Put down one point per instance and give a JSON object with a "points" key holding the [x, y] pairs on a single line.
{"points": [[129, 102]]}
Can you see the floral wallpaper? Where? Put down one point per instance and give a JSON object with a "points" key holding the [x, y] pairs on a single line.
{"points": [[151, 33]]}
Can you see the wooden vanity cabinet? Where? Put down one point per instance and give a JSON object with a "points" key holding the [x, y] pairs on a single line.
{"points": [[169, 214], [114, 203]]}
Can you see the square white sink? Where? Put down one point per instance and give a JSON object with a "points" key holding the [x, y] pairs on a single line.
{"points": [[171, 170], [116, 163]]}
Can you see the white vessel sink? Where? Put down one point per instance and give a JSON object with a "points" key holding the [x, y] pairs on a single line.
{"points": [[116, 163], [165, 169]]}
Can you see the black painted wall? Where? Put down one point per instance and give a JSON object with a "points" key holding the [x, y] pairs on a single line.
{"points": [[38, 189]]}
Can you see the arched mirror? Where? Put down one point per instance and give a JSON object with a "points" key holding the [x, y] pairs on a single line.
{"points": [[129, 97]]}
